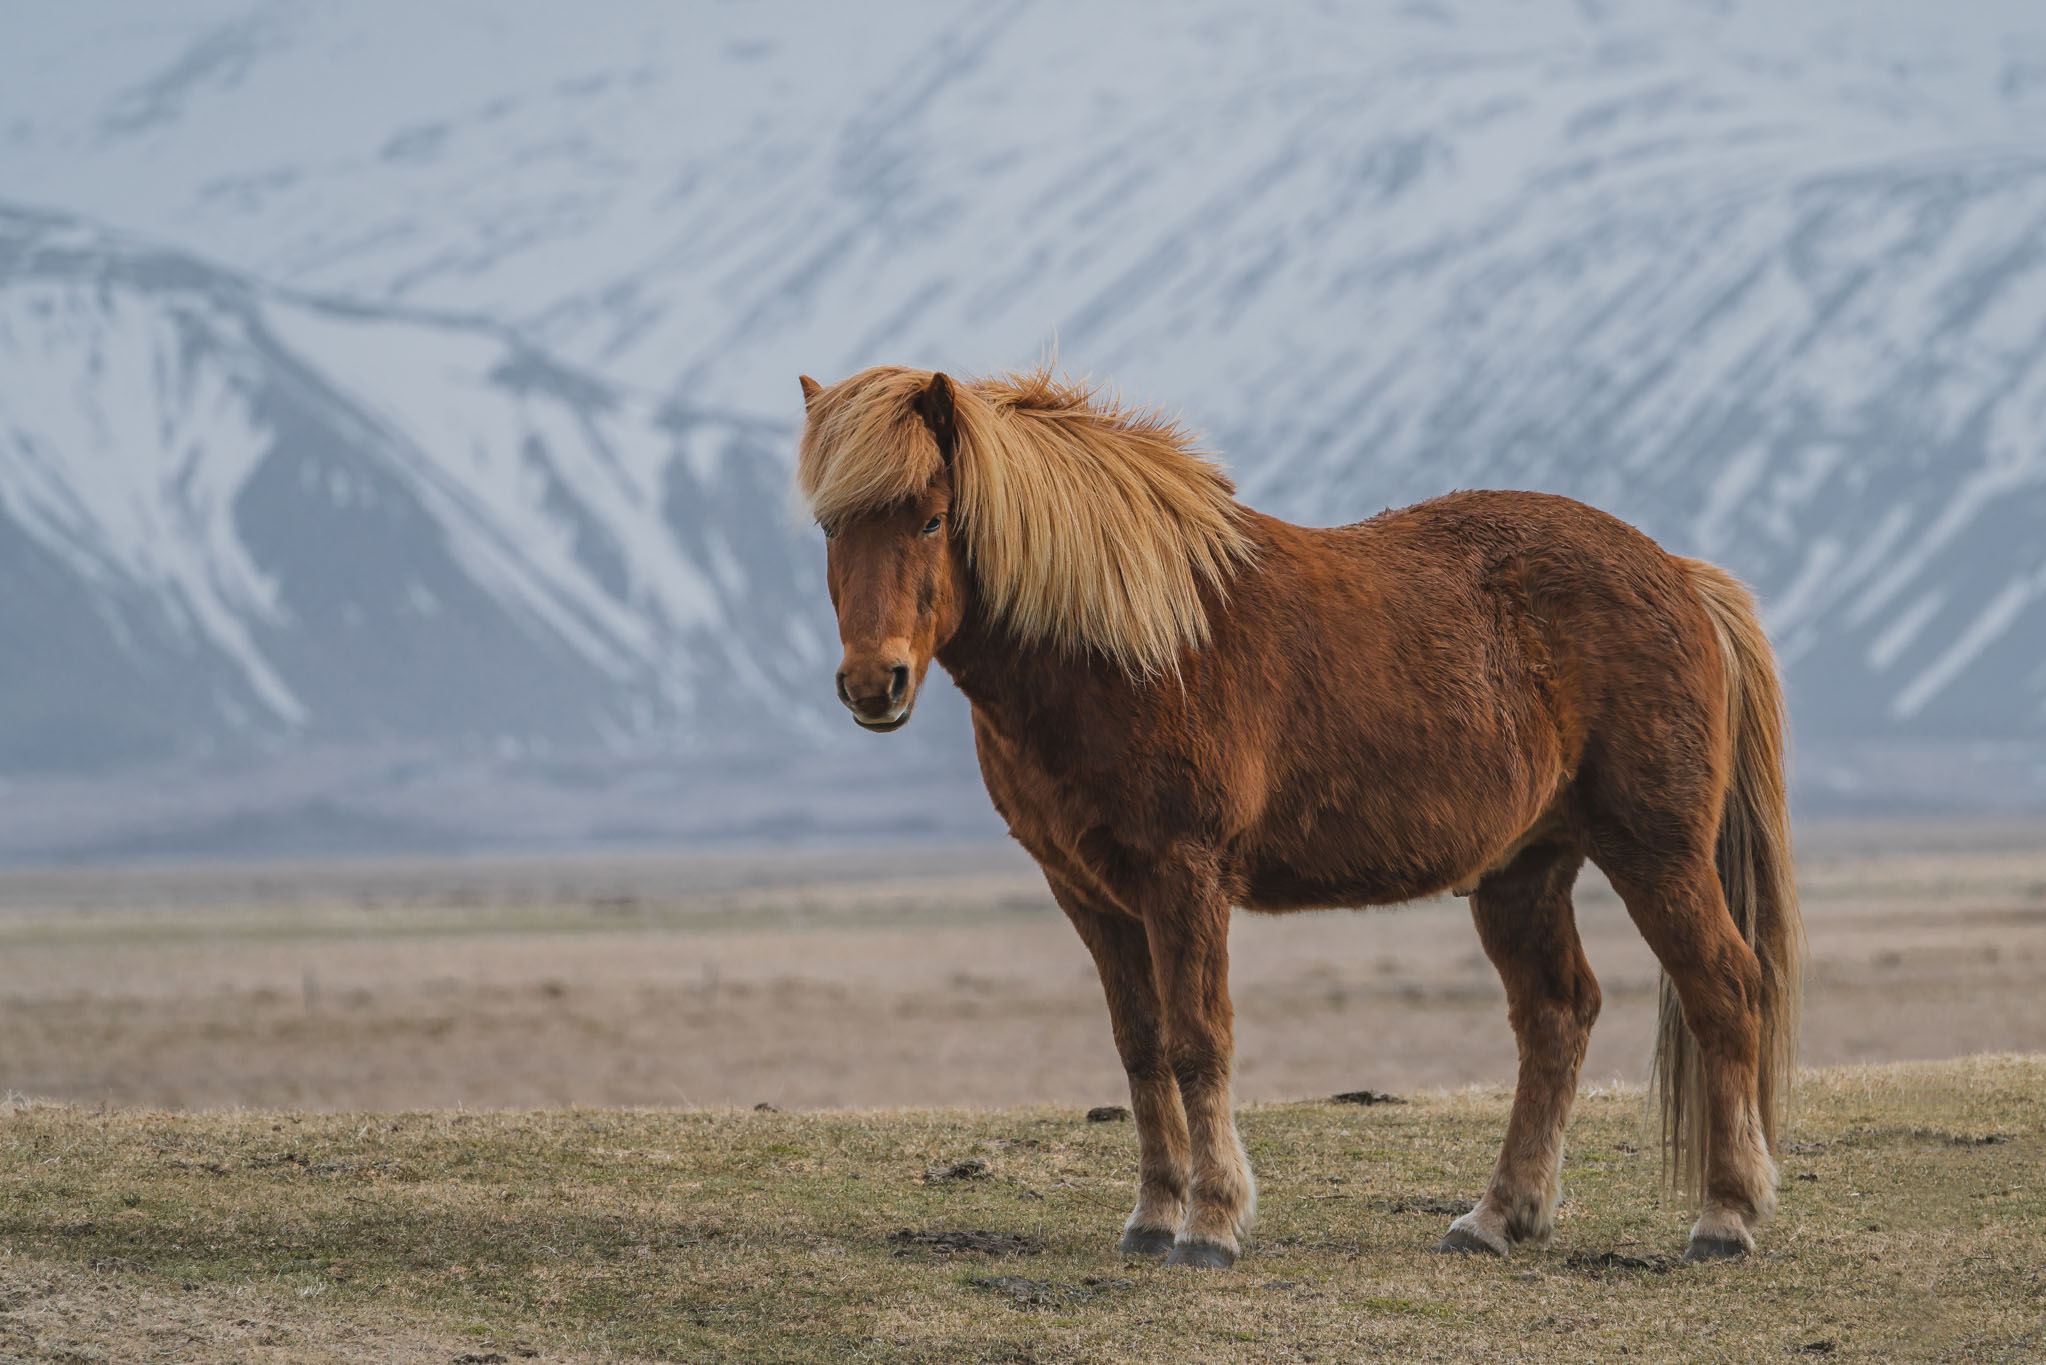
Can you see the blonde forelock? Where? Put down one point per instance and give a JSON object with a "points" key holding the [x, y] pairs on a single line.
{"points": [[1088, 526]]}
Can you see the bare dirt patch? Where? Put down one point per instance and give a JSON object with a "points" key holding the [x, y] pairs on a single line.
{"points": [[819, 980]]}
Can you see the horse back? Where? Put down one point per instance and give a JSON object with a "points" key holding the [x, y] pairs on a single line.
{"points": [[1408, 701]]}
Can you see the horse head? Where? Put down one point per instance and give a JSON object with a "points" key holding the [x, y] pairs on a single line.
{"points": [[896, 570]]}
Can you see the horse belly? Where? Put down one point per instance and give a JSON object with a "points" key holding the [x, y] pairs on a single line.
{"points": [[1386, 841], [1339, 863], [1277, 887]]}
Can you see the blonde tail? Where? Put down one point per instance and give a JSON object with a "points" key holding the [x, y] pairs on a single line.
{"points": [[1756, 875]]}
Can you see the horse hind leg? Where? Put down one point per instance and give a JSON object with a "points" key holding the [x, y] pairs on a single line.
{"points": [[1529, 930], [1680, 909]]}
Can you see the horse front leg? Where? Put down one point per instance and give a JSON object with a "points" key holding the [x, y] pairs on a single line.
{"points": [[1122, 954], [1186, 921]]}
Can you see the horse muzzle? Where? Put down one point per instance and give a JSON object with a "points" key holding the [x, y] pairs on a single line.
{"points": [[878, 693]]}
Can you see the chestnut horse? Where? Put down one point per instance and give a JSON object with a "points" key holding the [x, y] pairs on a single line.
{"points": [[1182, 705]]}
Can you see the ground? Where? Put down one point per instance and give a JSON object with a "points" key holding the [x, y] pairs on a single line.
{"points": [[884, 977], [1913, 1227], [410, 1179]]}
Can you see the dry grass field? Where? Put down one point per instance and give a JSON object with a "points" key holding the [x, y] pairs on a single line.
{"points": [[1913, 1227], [484, 1110]]}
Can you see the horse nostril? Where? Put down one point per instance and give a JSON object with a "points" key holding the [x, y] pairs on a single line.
{"points": [[843, 695], [898, 683]]}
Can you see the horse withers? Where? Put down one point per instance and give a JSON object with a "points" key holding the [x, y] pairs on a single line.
{"points": [[1183, 705]]}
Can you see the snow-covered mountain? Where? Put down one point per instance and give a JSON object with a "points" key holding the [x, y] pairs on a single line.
{"points": [[1768, 279], [231, 518]]}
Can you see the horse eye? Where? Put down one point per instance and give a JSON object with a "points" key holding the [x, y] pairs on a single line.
{"points": [[931, 526], [829, 534]]}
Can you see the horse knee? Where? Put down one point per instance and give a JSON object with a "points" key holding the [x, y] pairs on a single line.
{"points": [[1722, 997], [1201, 1068], [1563, 1006], [1586, 1001], [1143, 1059], [1199, 1047]]}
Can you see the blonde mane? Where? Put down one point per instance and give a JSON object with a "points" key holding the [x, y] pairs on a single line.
{"points": [[1088, 526]]}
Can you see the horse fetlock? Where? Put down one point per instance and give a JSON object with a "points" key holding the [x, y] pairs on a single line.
{"points": [[1531, 1227], [1510, 1218], [1157, 1211], [1762, 1201], [1161, 1211], [1762, 1197], [1530, 1216], [1747, 1190], [1246, 1202], [1221, 1216], [1221, 1224]]}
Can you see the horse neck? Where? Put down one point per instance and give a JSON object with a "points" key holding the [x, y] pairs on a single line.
{"points": [[1023, 688]]}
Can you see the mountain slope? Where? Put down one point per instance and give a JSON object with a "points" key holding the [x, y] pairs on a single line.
{"points": [[230, 515], [517, 304], [1767, 282]]}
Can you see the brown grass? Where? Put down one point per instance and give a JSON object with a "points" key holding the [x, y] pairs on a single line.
{"points": [[1913, 1226]]}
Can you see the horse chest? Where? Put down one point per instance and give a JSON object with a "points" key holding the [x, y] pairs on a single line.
{"points": [[1060, 798]]}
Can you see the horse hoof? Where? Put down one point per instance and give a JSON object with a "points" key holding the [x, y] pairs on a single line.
{"points": [[1715, 1249], [1146, 1242], [1464, 1242], [1201, 1256]]}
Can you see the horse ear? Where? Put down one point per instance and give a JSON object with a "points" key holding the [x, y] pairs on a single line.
{"points": [[811, 388], [934, 405]]}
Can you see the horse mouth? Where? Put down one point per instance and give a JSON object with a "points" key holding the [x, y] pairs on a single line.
{"points": [[883, 727]]}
